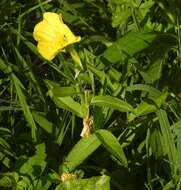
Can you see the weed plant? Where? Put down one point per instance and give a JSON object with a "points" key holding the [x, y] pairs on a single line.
{"points": [[121, 83]]}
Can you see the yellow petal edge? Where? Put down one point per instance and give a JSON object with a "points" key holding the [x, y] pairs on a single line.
{"points": [[53, 35]]}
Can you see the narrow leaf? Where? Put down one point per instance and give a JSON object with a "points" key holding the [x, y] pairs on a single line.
{"points": [[147, 88], [24, 105], [111, 143], [169, 144], [80, 152], [111, 102], [69, 104], [42, 121]]}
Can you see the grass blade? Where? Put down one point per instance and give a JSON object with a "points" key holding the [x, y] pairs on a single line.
{"points": [[25, 107], [168, 140]]}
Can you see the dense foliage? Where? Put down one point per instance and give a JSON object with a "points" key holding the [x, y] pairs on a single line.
{"points": [[122, 81]]}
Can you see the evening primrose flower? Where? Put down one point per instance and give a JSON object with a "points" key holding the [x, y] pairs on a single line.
{"points": [[53, 35]]}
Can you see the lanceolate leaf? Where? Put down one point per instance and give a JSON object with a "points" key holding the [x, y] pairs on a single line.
{"points": [[62, 97], [42, 121], [69, 104], [110, 142], [59, 91], [64, 91], [80, 152], [147, 88], [111, 102]]}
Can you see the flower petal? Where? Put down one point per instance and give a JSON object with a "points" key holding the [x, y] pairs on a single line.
{"points": [[66, 37], [44, 32], [48, 50], [53, 19], [53, 35]]}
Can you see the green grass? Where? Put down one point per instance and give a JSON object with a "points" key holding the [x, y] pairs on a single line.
{"points": [[129, 61]]}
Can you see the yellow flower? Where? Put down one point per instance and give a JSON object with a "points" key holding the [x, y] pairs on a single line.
{"points": [[53, 35]]}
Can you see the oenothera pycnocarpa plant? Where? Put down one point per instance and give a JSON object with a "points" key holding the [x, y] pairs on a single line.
{"points": [[90, 95]]}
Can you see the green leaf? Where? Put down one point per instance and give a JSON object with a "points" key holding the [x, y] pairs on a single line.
{"points": [[29, 72], [58, 91], [9, 179], [80, 152], [177, 131], [34, 162], [111, 143], [6, 147], [19, 86], [43, 183], [31, 169], [42, 121], [161, 99], [157, 51], [5, 160], [99, 116], [97, 72], [120, 16], [153, 73], [64, 91], [30, 45], [24, 105], [111, 102], [143, 87], [155, 143], [69, 104], [145, 108], [121, 2], [4, 67], [93, 183], [169, 144], [128, 45], [61, 97]]}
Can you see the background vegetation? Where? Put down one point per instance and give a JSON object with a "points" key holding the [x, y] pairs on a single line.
{"points": [[130, 83]]}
